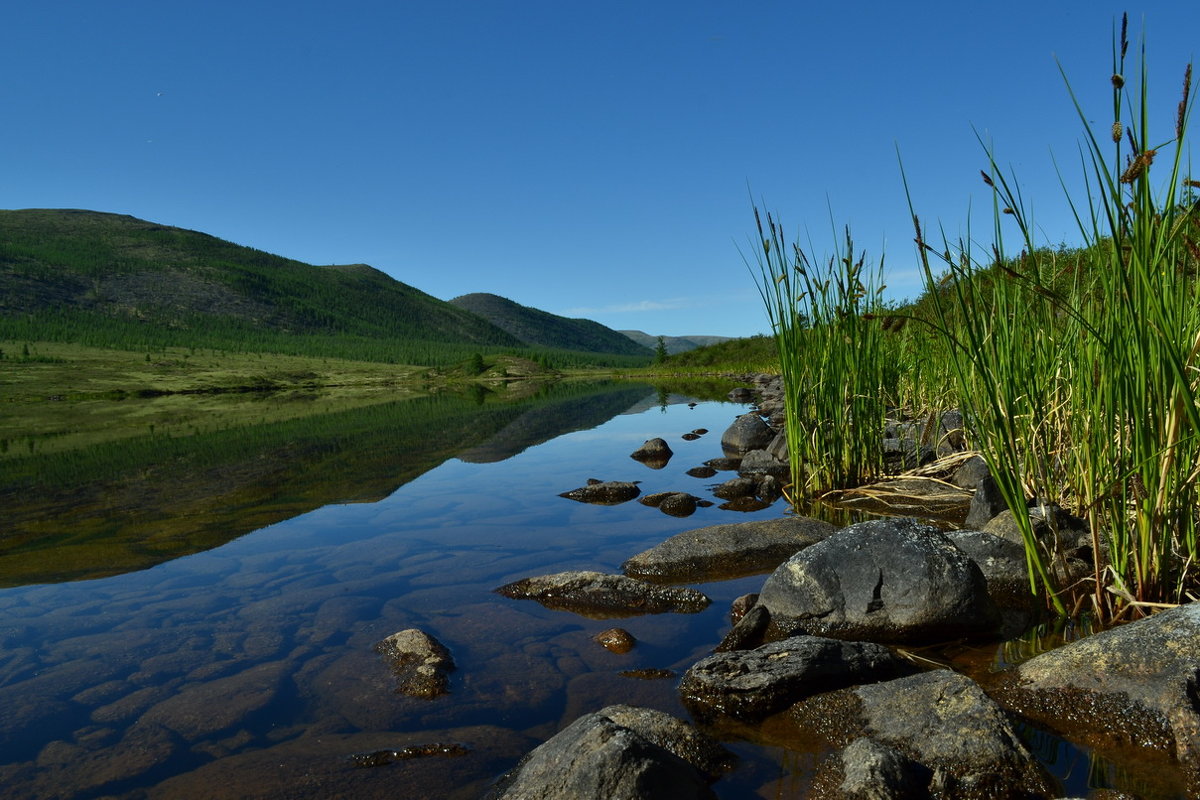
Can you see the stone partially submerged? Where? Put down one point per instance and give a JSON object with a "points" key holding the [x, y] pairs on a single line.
{"points": [[894, 580], [601, 596], [604, 493], [753, 684], [420, 662], [618, 753], [1136, 684], [936, 730], [727, 551]]}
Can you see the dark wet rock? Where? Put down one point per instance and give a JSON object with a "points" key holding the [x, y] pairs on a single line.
{"points": [[749, 632], [760, 462], [971, 473], [724, 463], [753, 684], [942, 721], [1053, 526], [769, 489], [744, 504], [893, 580], [904, 454], [421, 663], [740, 395], [727, 551], [617, 753], [677, 504], [655, 453], [986, 503], [1002, 563], [702, 472], [736, 487], [618, 640], [700, 431], [379, 758], [869, 770], [748, 432], [604, 493], [1135, 684], [740, 605], [690, 437], [600, 595]]}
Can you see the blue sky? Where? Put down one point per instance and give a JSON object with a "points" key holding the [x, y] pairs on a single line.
{"points": [[592, 159]]}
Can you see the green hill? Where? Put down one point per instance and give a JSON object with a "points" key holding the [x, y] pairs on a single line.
{"points": [[543, 329], [674, 344], [114, 280]]}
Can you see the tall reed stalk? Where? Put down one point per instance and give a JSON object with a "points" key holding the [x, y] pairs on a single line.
{"points": [[832, 359], [1080, 380]]}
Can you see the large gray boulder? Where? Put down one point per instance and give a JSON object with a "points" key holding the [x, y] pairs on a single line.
{"points": [[943, 729], [1138, 683], [726, 551], [595, 594], [748, 432], [753, 684], [1003, 565], [617, 753], [893, 580]]}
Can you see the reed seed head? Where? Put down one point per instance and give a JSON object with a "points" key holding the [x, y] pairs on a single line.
{"points": [[1118, 80], [1181, 113], [1116, 132], [987, 178], [1009, 211], [1124, 38]]}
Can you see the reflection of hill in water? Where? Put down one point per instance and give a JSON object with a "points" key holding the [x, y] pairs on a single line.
{"points": [[543, 423], [121, 507]]}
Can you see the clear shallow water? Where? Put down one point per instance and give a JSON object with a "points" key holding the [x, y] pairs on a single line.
{"points": [[248, 670]]}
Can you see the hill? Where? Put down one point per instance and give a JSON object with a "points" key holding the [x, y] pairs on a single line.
{"points": [[114, 280], [674, 344], [543, 329]]}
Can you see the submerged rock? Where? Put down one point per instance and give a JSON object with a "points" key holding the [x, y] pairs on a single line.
{"points": [[894, 580], [604, 493], [944, 732], [618, 753], [727, 551], [421, 662], [1135, 684], [596, 594], [753, 684], [617, 640]]}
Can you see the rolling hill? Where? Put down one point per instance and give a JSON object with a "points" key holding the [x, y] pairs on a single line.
{"points": [[112, 280], [543, 329], [674, 344]]}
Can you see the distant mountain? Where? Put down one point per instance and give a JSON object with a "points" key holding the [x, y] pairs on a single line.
{"points": [[543, 329], [674, 344], [111, 279]]}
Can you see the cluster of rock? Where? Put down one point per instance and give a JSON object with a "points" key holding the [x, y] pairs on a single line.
{"points": [[825, 650]]}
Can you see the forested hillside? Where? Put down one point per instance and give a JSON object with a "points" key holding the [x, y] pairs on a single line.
{"points": [[543, 329]]}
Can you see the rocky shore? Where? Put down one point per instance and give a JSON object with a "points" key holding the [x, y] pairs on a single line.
{"points": [[828, 647]]}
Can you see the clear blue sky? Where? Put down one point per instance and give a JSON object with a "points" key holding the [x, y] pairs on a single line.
{"points": [[592, 159]]}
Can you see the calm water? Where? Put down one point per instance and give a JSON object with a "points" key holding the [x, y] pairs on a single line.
{"points": [[247, 670]]}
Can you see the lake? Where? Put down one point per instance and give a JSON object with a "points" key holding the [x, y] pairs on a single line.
{"points": [[195, 616]]}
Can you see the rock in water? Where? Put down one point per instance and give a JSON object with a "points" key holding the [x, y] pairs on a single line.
{"points": [[748, 432], [753, 684], [937, 728], [727, 551], [893, 580], [604, 493], [598, 595], [420, 661], [1137, 683], [618, 753]]}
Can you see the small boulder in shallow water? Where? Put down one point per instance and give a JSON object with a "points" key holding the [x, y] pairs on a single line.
{"points": [[618, 753], [893, 580], [753, 684], [655, 453], [420, 661], [720, 552], [604, 493], [601, 596]]}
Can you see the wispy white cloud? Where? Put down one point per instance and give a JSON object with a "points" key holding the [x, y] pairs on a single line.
{"points": [[632, 308]]}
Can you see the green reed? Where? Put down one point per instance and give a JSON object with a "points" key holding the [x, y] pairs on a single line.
{"points": [[1078, 376], [836, 376]]}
